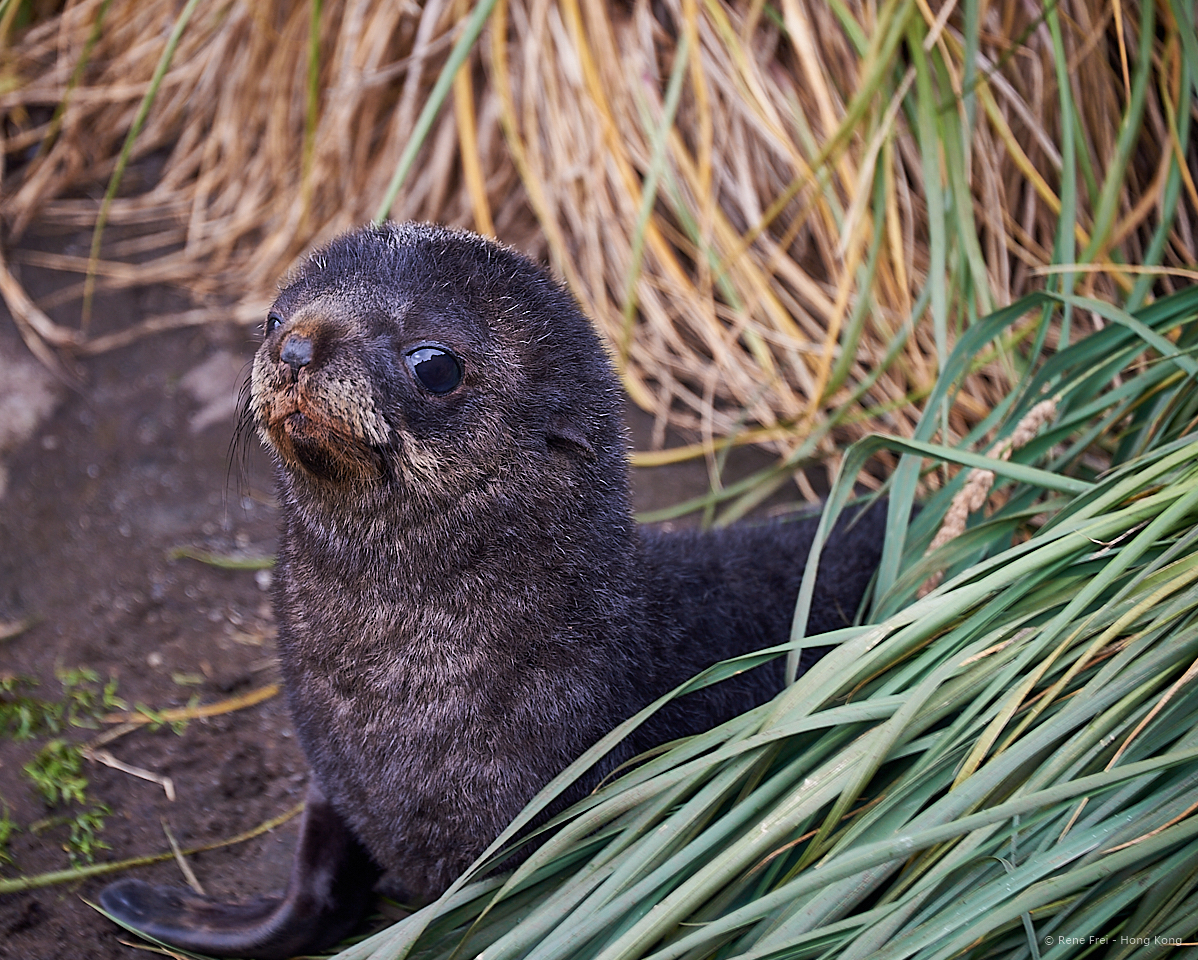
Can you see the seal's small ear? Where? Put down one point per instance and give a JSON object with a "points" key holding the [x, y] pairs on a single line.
{"points": [[568, 438]]}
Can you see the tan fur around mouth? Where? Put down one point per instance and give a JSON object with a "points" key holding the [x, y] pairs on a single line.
{"points": [[305, 432]]}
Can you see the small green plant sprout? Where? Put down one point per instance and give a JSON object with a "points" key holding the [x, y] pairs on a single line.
{"points": [[24, 716], [56, 772], [8, 827], [84, 841], [86, 702]]}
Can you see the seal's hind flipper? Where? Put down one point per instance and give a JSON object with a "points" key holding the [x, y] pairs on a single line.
{"points": [[328, 892], [188, 921]]}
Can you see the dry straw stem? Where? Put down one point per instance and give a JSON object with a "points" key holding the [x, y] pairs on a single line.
{"points": [[176, 714], [829, 169], [74, 875], [108, 760]]}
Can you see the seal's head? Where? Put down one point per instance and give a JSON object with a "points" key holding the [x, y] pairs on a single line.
{"points": [[433, 360]]}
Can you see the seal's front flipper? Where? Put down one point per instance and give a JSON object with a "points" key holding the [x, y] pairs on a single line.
{"points": [[328, 892]]}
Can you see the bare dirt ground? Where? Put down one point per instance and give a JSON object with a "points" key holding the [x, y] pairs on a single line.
{"points": [[123, 470], [100, 485]]}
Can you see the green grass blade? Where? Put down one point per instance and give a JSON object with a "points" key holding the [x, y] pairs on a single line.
{"points": [[139, 119], [432, 106]]}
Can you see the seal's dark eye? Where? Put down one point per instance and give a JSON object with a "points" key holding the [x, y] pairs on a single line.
{"points": [[437, 369], [273, 322]]}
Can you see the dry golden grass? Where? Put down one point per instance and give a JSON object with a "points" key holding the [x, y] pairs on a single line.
{"points": [[755, 267]]}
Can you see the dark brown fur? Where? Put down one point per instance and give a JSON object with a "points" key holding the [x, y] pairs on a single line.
{"points": [[464, 601]]}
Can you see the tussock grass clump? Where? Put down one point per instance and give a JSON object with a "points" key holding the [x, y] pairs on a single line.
{"points": [[782, 214]]}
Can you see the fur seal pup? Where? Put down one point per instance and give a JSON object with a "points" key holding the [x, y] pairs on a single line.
{"points": [[464, 601]]}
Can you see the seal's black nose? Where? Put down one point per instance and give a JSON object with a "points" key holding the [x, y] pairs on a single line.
{"points": [[297, 352]]}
